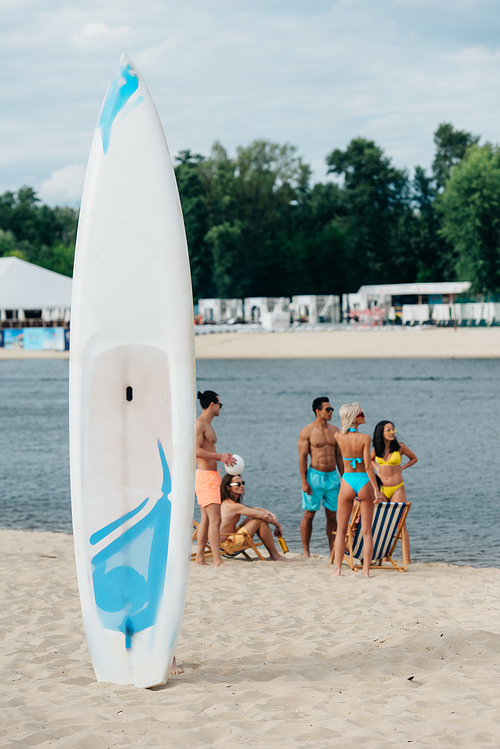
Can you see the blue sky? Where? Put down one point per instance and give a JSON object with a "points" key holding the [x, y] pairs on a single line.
{"points": [[314, 73]]}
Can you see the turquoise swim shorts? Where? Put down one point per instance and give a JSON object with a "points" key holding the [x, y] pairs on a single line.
{"points": [[325, 488]]}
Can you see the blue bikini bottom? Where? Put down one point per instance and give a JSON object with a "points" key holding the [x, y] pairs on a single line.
{"points": [[356, 480]]}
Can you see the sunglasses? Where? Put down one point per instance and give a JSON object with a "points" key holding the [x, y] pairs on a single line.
{"points": [[219, 404], [238, 483], [361, 414], [329, 410]]}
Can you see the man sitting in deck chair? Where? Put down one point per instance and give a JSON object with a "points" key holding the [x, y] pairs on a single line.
{"points": [[257, 519], [389, 519]]}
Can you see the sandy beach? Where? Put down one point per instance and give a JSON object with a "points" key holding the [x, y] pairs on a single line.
{"points": [[343, 343], [17, 353], [354, 343], [274, 655]]}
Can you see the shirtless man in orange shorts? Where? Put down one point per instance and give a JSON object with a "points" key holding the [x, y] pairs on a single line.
{"points": [[207, 479]]}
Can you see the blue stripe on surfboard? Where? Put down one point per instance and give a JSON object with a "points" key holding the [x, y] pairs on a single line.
{"points": [[129, 574], [99, 535], [122, 87]]}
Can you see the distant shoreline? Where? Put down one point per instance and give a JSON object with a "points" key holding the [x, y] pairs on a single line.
{"points": [[354, 343], [340, 343], [15, 353]]}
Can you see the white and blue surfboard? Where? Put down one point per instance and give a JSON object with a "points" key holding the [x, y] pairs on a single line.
{"points": [[132, 396]]}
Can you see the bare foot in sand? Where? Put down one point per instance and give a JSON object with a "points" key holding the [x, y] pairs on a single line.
{"points": [[201, 562], [175, 670], [336, 573], [278, 558], [218, 565], [306, 555]]}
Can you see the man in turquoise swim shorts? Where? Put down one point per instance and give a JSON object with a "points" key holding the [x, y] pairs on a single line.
{"points": [[320, 480]]}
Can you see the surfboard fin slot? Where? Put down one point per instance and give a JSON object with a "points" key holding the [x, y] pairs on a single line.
{"points": [[129, 393], [129, 632]]}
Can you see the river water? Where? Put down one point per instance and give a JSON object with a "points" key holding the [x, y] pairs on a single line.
{"points": [[446, 411]]}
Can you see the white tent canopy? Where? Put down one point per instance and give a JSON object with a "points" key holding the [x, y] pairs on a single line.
{"points": [[29, 287], [402, 289]]}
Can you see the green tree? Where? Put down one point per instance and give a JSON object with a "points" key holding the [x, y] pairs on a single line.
{"points": [[8, 244], [224, 241], [470, 206], [433, 254], [451, 147], [194, 208], [60, 258], [251, 201], [271, 182], [377, 196], [318, 253], [36, 232]]}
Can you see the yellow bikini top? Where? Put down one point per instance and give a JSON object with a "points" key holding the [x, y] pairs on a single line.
{"points": [[394, 459]]}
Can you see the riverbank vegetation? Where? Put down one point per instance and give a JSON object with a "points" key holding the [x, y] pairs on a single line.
{"points": [[257, 226]]}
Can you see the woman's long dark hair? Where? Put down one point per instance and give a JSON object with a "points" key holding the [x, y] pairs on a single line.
{"points": [[378, 440], [225, 491]]}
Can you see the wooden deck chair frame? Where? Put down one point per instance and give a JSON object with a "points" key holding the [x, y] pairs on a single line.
{"points": [[379, 565], [247, 544]]}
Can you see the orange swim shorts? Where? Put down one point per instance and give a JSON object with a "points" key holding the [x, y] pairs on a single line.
{"points": [[207, 487]]}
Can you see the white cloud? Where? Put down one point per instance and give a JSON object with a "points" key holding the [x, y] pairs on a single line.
{"points": [[64, 186], [97, 35], [478, 55], [314, 75]]}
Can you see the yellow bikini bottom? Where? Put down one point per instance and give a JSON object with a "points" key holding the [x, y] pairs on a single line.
{"points": [[389, 490]]}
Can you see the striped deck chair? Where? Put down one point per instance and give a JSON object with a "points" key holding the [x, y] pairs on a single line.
{"points": [[237, 543], [389, 519]]}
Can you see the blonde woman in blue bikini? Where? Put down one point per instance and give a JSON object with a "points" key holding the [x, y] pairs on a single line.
{"points": [[387, 455], [358, 481]]}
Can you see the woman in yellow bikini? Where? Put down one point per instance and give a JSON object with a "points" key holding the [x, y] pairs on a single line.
{"points": [[386, 458]]}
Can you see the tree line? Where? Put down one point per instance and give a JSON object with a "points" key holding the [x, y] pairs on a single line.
{"points": [[256, 226]]}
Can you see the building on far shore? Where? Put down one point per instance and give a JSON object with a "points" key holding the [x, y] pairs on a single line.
{"points": [[314, 309], [31, 296], [258, 306], [35, 306], [220, 310], [417, 303], [271, 312]]}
